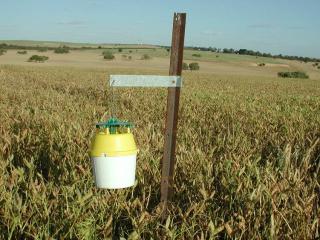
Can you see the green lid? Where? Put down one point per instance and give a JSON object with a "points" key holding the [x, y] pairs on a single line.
{"points": [[113, 124]]}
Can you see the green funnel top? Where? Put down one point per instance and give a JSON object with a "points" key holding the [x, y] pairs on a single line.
{"points": [[113, 124]]}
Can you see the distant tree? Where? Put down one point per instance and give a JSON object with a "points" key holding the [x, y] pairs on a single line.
{"points": [[297, 74], [42, 49], [145, 57], [261, 64], [130, 51], [243, 51], [119, 49], [2, 51], [214, 49], [108, 55], [99, 47], [61, 50], [22, 52], [194, 66], [37, 58], [266, 55], [196, 55], [185, 66], [3, 45], [228, 50]]}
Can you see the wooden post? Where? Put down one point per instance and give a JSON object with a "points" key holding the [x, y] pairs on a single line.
{"points": [[168, 160]]}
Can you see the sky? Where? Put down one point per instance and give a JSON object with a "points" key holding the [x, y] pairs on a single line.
{"points": [[289, 27]]}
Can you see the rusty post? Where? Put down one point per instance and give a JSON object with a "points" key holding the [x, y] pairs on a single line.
{"points": [[168, 160]]}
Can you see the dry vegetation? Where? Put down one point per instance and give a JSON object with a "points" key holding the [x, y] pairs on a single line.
{"points": [[247, 157]]}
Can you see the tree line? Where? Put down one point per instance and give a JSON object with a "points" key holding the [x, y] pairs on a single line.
{"points": [[14, 46], [244, 51], [241, 51]]}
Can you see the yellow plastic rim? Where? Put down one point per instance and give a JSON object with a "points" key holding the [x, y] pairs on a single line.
{"points": [[120, 144]]}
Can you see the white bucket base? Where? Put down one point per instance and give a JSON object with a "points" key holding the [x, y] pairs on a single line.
{"points": [[114, 172]]}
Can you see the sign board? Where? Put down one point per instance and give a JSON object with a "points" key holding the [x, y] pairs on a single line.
{"points": [[145, 81]]}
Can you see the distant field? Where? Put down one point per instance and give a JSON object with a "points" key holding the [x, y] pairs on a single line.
{"points": [[210, 62], [207, 56], [72, 44]]}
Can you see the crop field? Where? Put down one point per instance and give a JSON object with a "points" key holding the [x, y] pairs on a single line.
{"points": [[248, 153]]}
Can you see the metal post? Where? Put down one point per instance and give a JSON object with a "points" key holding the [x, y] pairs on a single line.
{"points": [[168, 160]]}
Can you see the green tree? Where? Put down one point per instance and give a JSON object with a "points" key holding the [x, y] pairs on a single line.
{"points": [[61, 50], [226, 50], [297, 74], [37, 58], [2, 51], [42, 49], [145, 57], [22, 52], [194, 66], [185, 66], [108, 55]]}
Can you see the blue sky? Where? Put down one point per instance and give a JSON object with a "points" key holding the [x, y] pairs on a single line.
{"points": [[276, 26]]}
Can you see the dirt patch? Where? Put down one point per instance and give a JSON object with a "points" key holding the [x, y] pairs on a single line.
{"points": [[270, 65]]}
